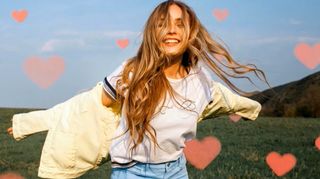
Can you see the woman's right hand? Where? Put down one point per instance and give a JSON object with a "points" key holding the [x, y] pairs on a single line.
{"points": [[10, 131]]}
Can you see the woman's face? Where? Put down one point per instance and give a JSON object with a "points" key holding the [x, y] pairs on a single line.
{"points": [[172, 43]]}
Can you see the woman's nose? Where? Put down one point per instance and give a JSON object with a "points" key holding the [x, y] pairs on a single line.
{"points": [[172, 29]]}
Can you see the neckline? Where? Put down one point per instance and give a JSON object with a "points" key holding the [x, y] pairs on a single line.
{"points": [[180, 79]]}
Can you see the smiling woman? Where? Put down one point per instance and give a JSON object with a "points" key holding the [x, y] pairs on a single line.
{"points": [[161, 93], [173, 38], [163, 90]]}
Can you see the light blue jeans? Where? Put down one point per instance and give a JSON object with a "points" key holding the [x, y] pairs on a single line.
{"points": [[174, 170]]}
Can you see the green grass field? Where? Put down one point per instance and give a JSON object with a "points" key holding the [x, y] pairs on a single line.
{"points": [[245, 145]]}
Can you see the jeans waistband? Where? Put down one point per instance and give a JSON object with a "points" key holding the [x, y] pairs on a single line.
{"points": [[165, 165]]}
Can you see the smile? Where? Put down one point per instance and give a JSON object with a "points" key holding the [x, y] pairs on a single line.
{"points": [[171, 41]]}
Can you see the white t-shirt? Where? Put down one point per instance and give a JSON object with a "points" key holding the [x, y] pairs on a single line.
{"points": [[173, 124]]}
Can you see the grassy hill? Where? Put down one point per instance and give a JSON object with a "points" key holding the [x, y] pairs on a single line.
{"points": [[245, 145], [298, 98]]}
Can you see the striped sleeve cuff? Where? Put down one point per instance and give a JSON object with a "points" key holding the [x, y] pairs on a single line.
{"points": [[109, 89]]}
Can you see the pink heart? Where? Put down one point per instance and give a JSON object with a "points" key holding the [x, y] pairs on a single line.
{"points": [[220, 14], [317, 143], [10, 175], [19, 16], [200, 154], [122, 43], [234, 117], [281, 165], [308, 56], [44, 72]]}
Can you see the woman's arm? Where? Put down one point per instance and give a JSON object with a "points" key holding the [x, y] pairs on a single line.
{"points": [[225, 102], [36, 121], [106, 99], [24, 124]]}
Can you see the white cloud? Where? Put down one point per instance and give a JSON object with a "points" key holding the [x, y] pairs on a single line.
{"points": [[57, 44], [295, 22], [68, 33], [121, 34], [99, 34], [282, 39], [270, 40], [98, 39], [90, 40], [4, 28], [308, 39]]}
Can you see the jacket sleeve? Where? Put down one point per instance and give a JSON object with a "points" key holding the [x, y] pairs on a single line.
{"points": [[226, 102], [25, 124]]}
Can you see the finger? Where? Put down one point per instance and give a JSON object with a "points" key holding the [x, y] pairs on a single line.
{"points": [[10, 131]]}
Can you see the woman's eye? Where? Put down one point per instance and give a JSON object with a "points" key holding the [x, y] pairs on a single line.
{"points": [[180, 25]]}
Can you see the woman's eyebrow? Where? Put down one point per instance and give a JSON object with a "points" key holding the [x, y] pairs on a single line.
{"points": [[177, 19]]}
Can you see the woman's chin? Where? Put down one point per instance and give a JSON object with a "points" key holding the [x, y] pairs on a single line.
{"points": [[172, 53]]}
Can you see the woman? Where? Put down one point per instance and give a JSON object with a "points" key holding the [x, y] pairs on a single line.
{"points": [[162, 91]]}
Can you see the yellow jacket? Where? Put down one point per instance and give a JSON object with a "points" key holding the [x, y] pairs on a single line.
{"points": [[80, 129]]}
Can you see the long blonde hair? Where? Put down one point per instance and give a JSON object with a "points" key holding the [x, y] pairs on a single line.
{"points": [[143, 85]]}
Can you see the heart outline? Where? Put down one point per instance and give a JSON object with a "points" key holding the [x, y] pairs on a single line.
{"points": [[201, 153], [220, 14], [234, 117], [122, 43], [19, 15], [281, 164], [44, 72], [308, 55], [317, 142]]}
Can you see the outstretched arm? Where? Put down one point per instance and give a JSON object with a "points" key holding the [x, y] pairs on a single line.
{"points": [[28, 123], [36, 121], [225, 101]]}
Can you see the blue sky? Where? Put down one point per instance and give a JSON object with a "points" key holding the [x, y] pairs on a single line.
{"points": [[84, 34]]}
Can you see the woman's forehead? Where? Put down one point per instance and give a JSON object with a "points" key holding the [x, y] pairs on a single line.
{"points": [[175, 13]]}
